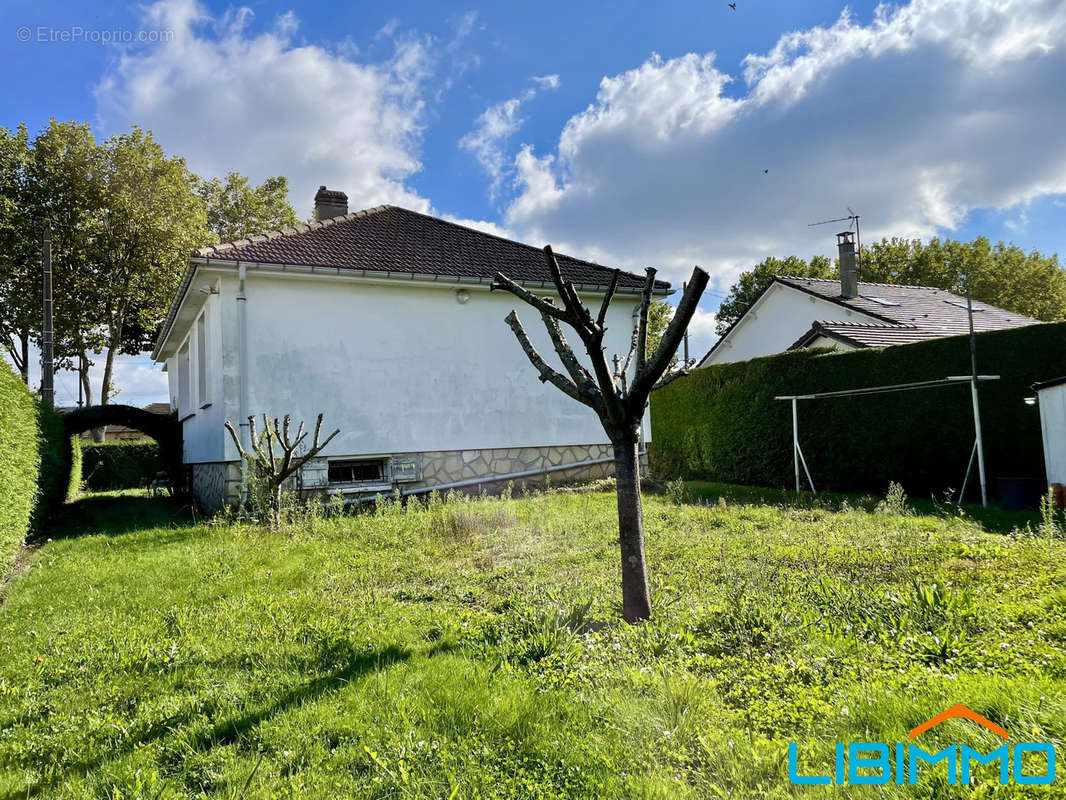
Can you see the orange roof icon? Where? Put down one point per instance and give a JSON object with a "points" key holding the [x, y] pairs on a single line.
{"points": [[958, 710]]}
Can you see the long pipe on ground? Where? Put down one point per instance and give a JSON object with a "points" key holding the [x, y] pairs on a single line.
{"points": [[528, 473]]}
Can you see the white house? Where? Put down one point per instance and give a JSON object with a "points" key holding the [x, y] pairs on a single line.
{"points": [[383, 321], [847, 314]]}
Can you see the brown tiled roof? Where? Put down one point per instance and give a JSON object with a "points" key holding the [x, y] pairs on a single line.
{"points": [[393, 239], [934, 312]]}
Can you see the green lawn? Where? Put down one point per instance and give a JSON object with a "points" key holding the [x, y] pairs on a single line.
{"points": [[474, 649]]}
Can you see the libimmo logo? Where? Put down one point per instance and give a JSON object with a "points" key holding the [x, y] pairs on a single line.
{"points": [[878, 768]]}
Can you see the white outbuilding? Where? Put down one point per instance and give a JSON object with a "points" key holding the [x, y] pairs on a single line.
{"points": [[1051, 398]]}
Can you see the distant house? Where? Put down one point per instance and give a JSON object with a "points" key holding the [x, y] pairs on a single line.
{"points": [[383, 321], [847, 314]]}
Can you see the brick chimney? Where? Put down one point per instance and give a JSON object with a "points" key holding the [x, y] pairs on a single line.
{"points": [[330, 203], [849, 273]]}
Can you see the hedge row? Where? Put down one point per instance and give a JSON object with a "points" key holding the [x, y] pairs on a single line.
{"points": [[723, 424], [120, 465], [38, 463], [19, 462]]}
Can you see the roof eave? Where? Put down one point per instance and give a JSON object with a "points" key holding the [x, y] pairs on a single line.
{"points": [[662, 288]]}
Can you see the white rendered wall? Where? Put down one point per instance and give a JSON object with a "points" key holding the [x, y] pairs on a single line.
{"points": [[780, 317], [398, 368], [204, 414], [1053, 425]]}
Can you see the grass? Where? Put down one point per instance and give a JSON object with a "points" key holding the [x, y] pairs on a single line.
{"points": [[474, 649]]}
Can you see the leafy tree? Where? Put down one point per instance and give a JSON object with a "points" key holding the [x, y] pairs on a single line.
{"points": [[62, 188], [752, 283], [236, 209], [148, 222], [20, 304], [1002, 275]]}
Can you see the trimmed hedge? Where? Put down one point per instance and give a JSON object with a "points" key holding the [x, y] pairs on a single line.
{"points": [[120, 465], [60, 475], [19, 462], [723, 424], [39, 463]]}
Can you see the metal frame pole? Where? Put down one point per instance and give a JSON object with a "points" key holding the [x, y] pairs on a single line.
{"points": [[795, 444], [976, 406], [969, 469]]}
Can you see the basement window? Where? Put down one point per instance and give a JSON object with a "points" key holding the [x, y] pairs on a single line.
{"points": [[357, 471]]}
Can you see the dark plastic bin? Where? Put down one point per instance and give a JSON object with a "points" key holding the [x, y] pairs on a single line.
{"points": [[1021, 494]]}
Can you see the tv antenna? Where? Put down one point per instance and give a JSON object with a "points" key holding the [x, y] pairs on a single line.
{"points": [[853, 219]]}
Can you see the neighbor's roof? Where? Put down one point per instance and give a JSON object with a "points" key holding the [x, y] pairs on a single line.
{"points": [[904, 314], [934, 312], [393, 239], [863, 334]]}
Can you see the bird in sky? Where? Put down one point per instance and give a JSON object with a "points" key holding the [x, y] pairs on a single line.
{"points": [[733, 6], [766, 172]]}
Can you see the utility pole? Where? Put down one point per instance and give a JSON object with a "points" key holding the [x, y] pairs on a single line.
{"points": [[979, 444], [47, 347]]}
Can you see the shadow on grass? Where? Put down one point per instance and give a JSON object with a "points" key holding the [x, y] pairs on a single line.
{"points": [[116, 514], [993, 520], [238, 727]]}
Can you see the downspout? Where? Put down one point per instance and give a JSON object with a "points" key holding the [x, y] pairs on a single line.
{"points": [[242, 367]]}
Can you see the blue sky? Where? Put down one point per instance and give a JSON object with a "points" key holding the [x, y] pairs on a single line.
{"points": [[633, 133]]}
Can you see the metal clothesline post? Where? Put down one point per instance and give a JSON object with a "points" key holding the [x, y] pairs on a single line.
{"points": [[797, 451], [952, 380]]}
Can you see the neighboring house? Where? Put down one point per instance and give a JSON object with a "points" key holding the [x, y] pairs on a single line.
{"points": [[383, 321], [847, 314]]}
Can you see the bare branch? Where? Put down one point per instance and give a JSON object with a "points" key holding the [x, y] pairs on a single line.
{"points": [[642, 317], [578, 373], [539, 303], [648, 375], [236, 440], [546, 373], [606, 304], [316, 447], [620, 373], [567, 292]]}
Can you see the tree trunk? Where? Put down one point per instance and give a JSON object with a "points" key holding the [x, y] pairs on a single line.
{"points": [[636, 596], [100, 434], [275, 507], [24, 357]]}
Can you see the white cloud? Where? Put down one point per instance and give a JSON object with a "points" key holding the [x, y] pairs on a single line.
{"points": [[546, 81], [228, 98], [482, 225], [929, 111], [139, 381], [495, 126]]}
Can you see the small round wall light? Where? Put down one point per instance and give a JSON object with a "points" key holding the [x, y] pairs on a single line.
{"points": [[462, 296]]}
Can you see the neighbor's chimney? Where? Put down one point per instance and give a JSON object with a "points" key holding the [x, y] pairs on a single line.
{"points": [[330, 203], [849, 274]]}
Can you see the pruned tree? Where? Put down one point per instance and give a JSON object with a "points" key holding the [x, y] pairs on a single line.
{"points": [[270, 468], [618, 401]]}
